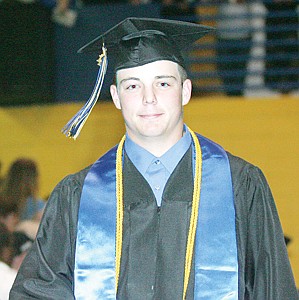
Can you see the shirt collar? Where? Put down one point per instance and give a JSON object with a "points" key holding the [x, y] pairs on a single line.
{"points": [[142, 159]]}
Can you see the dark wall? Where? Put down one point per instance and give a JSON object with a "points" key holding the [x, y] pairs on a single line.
{"points": [[27, 54], [39, 61], [76, 73]]}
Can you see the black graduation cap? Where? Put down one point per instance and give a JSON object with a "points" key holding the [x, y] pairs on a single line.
{"points": [[135, 42], [138, 41]]}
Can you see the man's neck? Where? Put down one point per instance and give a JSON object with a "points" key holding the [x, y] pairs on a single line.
{"points": [[157, 145]]}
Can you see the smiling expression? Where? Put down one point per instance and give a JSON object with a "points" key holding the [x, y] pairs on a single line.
{"points": [[151, 98]]}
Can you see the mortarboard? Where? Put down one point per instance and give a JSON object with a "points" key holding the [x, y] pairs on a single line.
{"points": [[136, 42]]}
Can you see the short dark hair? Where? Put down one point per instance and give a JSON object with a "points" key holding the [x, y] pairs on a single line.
{"points": [[5, 239], [7, 207], [183, 73]]}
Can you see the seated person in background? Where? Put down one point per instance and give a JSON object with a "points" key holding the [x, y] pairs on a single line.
{"points": [[9, 213], [7, 274], [10, 217], [29, 227], [21, 186], [21, 245], [1, 177]]}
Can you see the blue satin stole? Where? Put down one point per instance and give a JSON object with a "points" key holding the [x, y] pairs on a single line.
{"points": [[216, 262]]}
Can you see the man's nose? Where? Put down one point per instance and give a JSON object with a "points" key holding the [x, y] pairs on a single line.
{"points": [[149, 96]]}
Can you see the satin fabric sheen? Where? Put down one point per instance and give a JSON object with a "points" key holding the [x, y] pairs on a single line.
{"points": [[216, 265], [95, 248], [216, 261]]}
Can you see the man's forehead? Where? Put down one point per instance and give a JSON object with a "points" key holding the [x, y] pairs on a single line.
{"points": [[162, 68]]}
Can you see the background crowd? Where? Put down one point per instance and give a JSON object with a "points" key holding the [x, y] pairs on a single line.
{"points": [[254, 51], [21, 210]]}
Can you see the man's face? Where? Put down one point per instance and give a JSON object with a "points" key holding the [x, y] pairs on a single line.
{"points": [[151, 98]]}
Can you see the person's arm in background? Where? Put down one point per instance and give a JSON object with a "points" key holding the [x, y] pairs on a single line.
{"points": [[47, 270]]}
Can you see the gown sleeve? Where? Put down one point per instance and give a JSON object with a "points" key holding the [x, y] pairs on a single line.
{"points": [[264, 268], [47, 270]]}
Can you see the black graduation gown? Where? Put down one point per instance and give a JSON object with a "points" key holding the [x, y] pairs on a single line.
{"points": [[264, 268]]}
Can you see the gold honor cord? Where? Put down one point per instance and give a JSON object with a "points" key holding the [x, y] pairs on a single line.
{"points": [[193, 219], [194, 212], [119, 209]]}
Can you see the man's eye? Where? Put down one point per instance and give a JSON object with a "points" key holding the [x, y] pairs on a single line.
{"points": [[132, 87], [163, 84]]}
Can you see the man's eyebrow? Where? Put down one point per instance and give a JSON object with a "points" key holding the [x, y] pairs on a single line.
{"points": [[129, 78], [165, 76], [156, 77]]}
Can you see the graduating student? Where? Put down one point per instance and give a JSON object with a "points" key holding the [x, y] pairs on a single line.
{"points": [[167, 213]]}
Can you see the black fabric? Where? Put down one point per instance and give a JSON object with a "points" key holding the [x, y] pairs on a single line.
{"points": [[27, 66], [155, 239], [264, 269], [137, 41]]}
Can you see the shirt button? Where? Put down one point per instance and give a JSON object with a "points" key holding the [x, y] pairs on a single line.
{"points": [[157, 162], [157, 187]]}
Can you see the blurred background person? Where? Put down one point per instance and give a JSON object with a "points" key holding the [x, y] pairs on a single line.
{"points": [[7, 274], [9, 213], [29, 227], [282, 60], [21, 186], [233, 45], [20, 245], [10, 217], [1, 177], [64, 12]]}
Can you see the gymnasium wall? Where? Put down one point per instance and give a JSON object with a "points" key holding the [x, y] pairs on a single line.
{"points": [[263, 131]]}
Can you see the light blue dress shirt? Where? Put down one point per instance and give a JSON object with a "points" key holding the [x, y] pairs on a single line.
{"points": [[157, 170]]}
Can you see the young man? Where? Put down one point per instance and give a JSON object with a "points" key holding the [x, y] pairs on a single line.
{"points": [[166, 214]]}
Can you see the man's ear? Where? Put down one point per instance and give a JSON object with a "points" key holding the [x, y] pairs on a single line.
{"points": [[114, 95], [187, 91]]}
